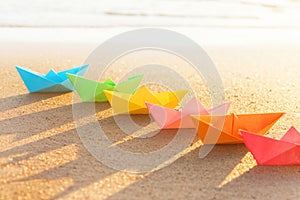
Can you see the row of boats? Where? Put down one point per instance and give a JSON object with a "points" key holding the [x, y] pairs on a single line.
{"points": [[213, 126]]}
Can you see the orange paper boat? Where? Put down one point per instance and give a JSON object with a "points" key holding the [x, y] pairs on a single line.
{"points": [[269, 151], [225, 129]]}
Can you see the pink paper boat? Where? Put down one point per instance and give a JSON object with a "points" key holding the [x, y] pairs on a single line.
{"points": [[167, 118], [269, 151]]}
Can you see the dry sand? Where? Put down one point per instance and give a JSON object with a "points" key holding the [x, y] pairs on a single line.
{"points": [[42, 157]]}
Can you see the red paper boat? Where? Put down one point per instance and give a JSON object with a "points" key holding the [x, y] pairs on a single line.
{"points": [[269, 151]]}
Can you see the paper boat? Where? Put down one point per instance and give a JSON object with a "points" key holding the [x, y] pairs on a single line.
{"points": [[168, 118], [135, 103], [50, 82], [269, 151], [92, 91], [228, 132]]}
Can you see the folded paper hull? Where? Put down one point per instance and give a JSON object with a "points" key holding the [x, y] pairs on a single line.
{"points": [[123, 103], [51, 82], [269, 151], [93, 91], [225, 129], [167, 118]]}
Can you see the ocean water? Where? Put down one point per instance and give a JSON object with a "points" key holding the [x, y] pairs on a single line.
{"points": [[162, 13]]}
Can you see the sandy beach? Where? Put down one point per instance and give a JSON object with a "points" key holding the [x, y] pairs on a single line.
{"points": [[42, 156]]}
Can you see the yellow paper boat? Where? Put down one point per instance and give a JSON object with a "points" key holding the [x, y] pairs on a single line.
{"points": [[135, 103]]}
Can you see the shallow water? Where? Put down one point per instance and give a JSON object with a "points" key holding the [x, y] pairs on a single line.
{"points": [[112, 13]]}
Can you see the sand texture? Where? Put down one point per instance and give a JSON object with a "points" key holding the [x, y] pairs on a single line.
{"points": [[42, 156]]}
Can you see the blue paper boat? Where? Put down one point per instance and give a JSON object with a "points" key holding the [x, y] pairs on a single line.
{"points": [[50, 82]]}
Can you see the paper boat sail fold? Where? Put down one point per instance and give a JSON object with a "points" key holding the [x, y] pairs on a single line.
{"points": [[168, 118], [269, 151], [136, 103], [93, 91], [225, 129], [50, 82]]}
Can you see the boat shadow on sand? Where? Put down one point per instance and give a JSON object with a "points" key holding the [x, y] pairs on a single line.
{"points": [[191, 176], [24, 99]]}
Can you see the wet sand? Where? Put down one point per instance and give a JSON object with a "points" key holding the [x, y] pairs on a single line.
{"points": [[42, 156]]}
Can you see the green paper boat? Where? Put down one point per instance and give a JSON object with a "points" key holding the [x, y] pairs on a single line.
{"points": [[92, 91]]}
